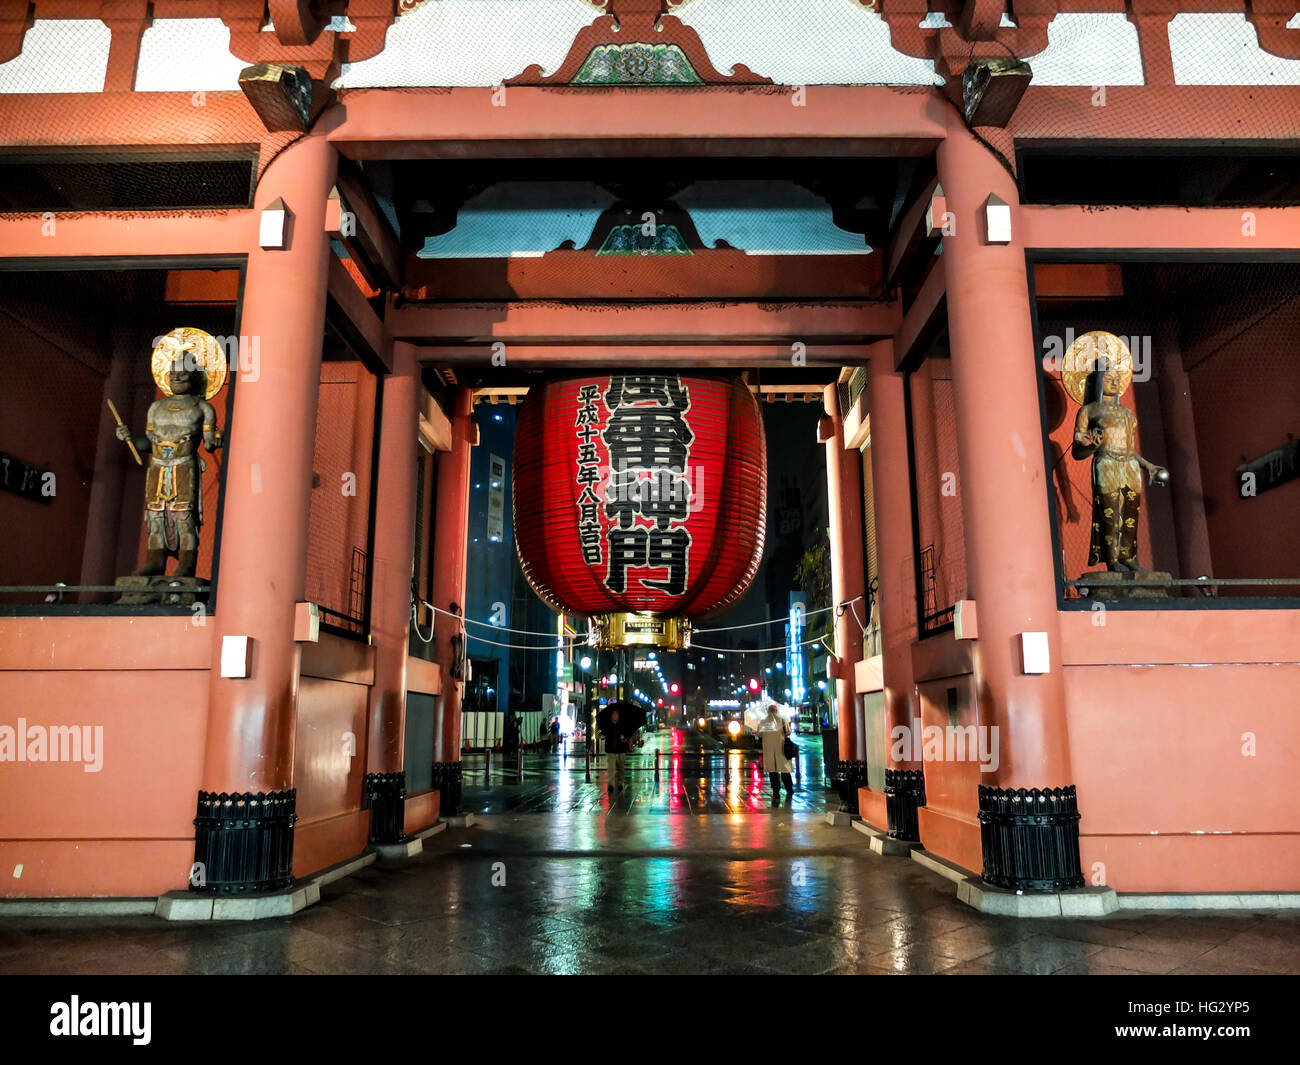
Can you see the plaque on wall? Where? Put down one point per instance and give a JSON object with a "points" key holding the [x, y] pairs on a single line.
{"points": [[1269, 470], [26, 479]]}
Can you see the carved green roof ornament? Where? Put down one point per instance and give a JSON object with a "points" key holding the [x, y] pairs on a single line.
{"points": [[632, 239], [637, 64]]}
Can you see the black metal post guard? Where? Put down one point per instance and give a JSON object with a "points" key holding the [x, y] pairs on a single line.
{"points": [[243, 842], [385, 798], [852, 774], [447, 779], [1030, 838], [904, 793]]}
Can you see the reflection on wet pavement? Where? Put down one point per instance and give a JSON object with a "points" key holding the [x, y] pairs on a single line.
{"points": [[593, 893], [740, 888], [694, 776]]}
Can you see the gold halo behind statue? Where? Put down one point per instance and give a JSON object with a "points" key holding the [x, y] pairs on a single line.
{"points": [[206, 352], [1081, 359]]}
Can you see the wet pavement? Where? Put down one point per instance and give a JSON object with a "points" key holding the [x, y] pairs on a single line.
{"points": [[580, 888], [692, 774]]}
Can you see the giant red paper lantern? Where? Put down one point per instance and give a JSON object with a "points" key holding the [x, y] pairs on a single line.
{"points": [[640, 499]]}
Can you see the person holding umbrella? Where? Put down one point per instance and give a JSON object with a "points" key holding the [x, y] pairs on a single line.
{"points": [[775, 732], [619, 723]]}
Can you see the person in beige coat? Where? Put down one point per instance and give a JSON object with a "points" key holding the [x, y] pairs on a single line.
{"points": [[774, 731]]}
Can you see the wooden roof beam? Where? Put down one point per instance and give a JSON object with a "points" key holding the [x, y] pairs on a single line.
{"points": [[913, 242], [355, 219], [662, 356], [706, 326]]}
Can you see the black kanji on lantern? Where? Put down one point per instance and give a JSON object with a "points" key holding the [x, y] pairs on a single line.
{"points": [[663, 499], [662, 390], [647, 438], [649, 547], [649, 445], [669, 550], [588, 474]]}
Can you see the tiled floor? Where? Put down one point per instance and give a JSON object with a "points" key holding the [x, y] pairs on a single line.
{"points": [[759, 892]]}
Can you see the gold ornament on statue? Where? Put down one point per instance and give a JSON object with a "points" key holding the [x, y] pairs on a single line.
{"points": [[199, 351], [189, 368], [1098, 369], [1081, 361]]}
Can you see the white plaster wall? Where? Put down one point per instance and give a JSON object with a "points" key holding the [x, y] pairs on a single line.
{"points": [[1087, 50], [812, 42], [59, 56], [187, 55], [471, 42], [1221, 49]]}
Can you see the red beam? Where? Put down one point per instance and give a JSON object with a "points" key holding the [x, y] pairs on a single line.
{"points": [[650, 323], [84, 234], [1256, 113], [537, 121], [1193, 228], [918, 323], [202, 286], [708, 274], [352, 302], [575, 356], [911, 235], [185, 121], [372, 242], [1078, 281]]}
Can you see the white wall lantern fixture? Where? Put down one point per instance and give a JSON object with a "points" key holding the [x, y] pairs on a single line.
{"points": [[236, 656], [997, 219], [1035, 657], [273, 225]]}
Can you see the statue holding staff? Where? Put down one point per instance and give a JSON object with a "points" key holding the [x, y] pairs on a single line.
{"points": [[1098, 369], [190, 368]]}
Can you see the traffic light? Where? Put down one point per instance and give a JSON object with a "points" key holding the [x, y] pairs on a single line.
{"points": [[674, 687], [753, 684]]}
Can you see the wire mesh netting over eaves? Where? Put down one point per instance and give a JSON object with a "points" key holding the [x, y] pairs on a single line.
{"points": [[1099, 124]]}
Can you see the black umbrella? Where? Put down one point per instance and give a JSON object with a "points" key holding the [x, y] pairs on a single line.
{"points": [[630, 716]]}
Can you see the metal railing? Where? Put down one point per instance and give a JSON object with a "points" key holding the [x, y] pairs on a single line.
{"points": [[1205, 584]]}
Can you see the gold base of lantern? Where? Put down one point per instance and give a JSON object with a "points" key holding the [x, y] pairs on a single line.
{"points": [[640, 630]]}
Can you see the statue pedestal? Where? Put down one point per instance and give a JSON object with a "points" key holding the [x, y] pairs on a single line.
{"points": [[1109, 587], [169, 591]]}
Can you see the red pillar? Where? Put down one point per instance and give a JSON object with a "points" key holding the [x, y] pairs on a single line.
{"points": [[1185, 483], [844, 507], [451, 549], [999, 437], [390, 611], [896, 581], [1000, 447], [270, 444], [104, 516]]}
